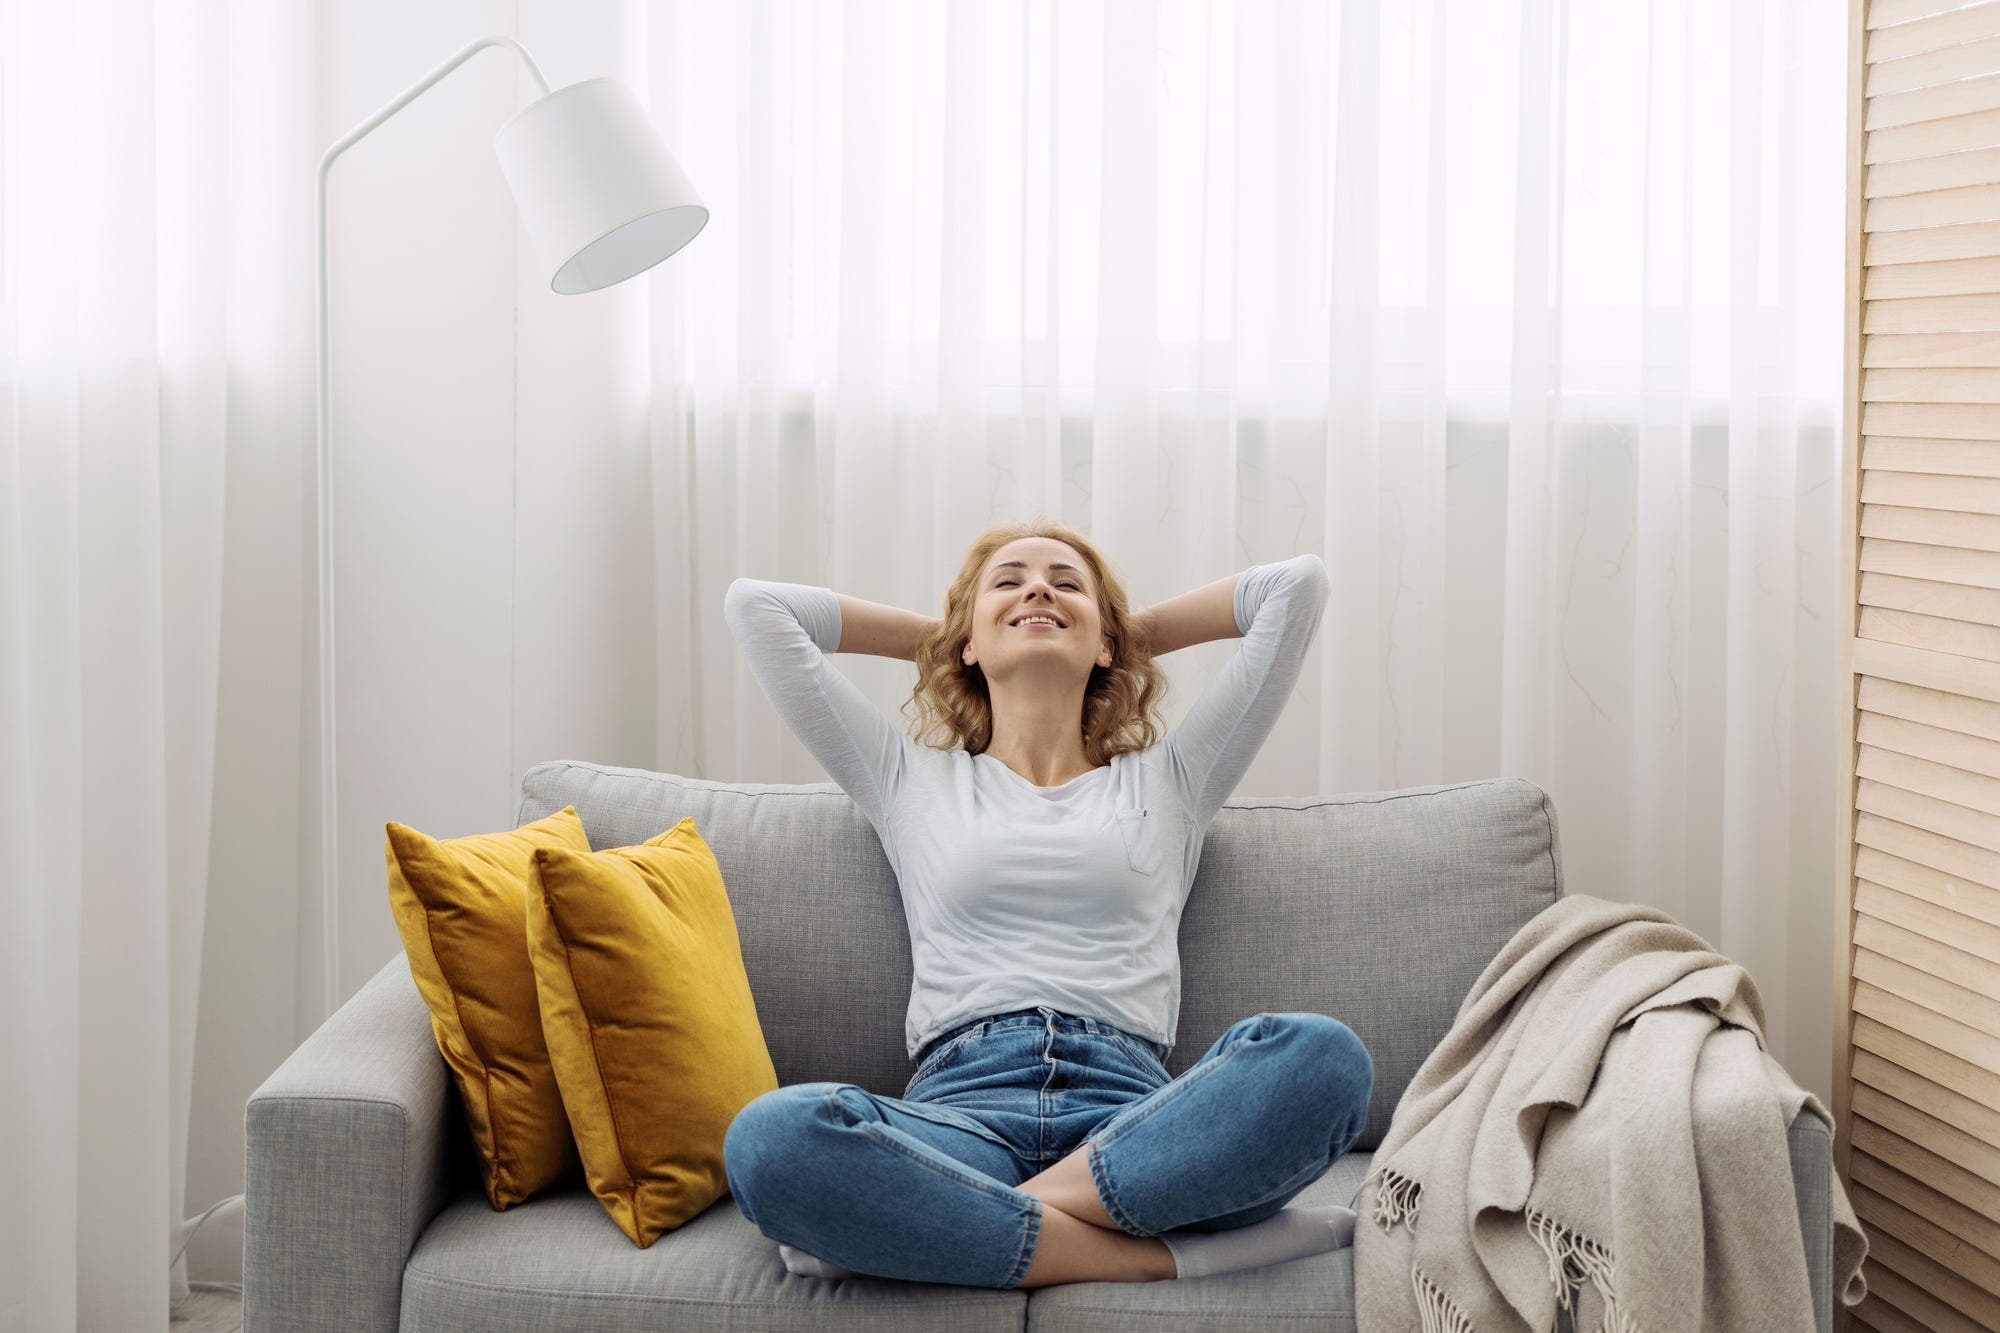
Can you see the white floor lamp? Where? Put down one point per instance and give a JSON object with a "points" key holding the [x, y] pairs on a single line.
{"points": [[603, 200]]}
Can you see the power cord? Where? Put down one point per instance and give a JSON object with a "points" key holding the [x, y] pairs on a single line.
{"points": [[227, 1207]]}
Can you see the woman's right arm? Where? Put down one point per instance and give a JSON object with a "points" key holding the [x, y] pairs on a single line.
{"points": [[884, 631], [785, 631]]}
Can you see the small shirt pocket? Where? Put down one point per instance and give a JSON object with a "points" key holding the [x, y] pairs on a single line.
{"points": [[1145, 837]]}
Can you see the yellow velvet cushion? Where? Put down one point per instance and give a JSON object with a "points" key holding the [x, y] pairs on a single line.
{"points": [[649, 1018], [461, 907]]}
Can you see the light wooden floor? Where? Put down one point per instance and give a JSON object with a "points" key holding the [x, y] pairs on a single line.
{"points": [[209, 1312]]}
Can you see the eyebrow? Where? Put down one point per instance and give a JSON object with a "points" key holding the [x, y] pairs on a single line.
{"points": [[1022, 564]]}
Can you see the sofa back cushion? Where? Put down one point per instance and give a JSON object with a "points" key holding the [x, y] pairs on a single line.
{"points": [[1380, 909]]}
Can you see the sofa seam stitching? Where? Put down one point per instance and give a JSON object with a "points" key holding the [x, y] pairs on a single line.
{"points": [[1555, 871]]}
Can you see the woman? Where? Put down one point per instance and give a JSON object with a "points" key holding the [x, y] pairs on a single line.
{"points": [[1044, 848]]}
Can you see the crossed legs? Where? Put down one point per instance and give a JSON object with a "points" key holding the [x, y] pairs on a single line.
{"points": [[1079, 1242]]}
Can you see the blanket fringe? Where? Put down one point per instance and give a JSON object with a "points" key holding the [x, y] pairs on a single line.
{"points": [[1440, 1315], [1573, 1257], [1396, 1198]]}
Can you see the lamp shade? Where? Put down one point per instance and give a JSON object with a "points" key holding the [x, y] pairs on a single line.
{"points": [[597, 190]]}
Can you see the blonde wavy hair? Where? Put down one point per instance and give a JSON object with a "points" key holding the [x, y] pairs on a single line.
{"points": [[951, 700]]}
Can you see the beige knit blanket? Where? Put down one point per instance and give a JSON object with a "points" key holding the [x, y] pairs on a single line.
{"points": [[1602, 1128]]}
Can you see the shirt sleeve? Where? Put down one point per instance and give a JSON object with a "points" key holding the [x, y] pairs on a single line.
{"points": [[785, 631], [1278, 609]]}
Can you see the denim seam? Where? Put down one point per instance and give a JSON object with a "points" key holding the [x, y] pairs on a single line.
{"points": [[1024, 1257], [1107, 1195], [926, 1069], [1164, 1102], [983, 1183], [875, 1130], [924, 1111], [1111, 1204], [1129, 1046], [1304, 1177]]}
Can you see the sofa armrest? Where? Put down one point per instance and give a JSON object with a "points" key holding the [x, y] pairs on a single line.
{"points": [[1811, 1146], [348, 1160]]}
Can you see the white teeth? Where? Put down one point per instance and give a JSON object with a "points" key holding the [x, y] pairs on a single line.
{"points": [[1030, 620]]}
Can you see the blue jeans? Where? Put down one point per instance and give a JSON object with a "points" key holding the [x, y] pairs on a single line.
{"points": [[921, 1187]]}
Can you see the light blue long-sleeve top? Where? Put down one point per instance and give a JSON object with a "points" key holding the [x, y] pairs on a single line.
{"points": [[1018, 895]]}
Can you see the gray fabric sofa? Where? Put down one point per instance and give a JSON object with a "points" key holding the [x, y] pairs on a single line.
{"points": [[1381, 909]]}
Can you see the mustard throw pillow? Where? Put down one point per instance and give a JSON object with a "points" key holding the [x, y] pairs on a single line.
{"points": [[461, 907], [649, 1018]]}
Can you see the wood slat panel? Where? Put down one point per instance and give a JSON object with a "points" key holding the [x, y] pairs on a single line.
{"points": [[1963, 900], [1939, 102], [1914, 35], [1917, 1031], [1962, 240], [1952, 601], [1921, 1199], [1878, 1316], [1940, 564], [1977, 943], [1953, 821], [1916, 175], [1905, 979], [1944, 855], [1919, 666], [1939, 1067], [1925, 349], [1951, 458], [1982, 1307], [1981, 129], [1980, 1271], [1932, 208], [1933, 708], [1913, 1299], [1940, 65], [1976, 1048], [1932, 527], [1913, 630], [1942, 385], [1940, 782], [1885, 13], [1928, 490], [1937, 421], [1974, 312], [1940, 745], [1933, 67], [1962, 1113], [1915, 1160]]}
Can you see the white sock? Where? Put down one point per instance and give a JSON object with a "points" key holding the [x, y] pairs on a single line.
{"points": [[798, 1261], [1290, 1233]]}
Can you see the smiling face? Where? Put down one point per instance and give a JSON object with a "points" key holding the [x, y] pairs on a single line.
{"points": [[1043, 578]]}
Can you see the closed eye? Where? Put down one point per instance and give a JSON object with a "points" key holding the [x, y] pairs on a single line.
{"points": [[1066, 583]]}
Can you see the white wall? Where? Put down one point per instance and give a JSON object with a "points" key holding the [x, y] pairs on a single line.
{"points": [[470, 404]]}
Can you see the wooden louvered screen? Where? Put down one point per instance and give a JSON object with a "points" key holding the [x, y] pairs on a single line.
{"points": [[1916, 1085]]}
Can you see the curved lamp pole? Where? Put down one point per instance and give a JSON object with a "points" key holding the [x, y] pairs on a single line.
{"points": [[604, 201]]}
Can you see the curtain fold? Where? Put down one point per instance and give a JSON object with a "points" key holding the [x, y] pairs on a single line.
{"points": [[148, 156]]}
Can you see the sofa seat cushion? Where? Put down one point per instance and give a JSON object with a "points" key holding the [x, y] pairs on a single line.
{"points": [[558, 1263]]}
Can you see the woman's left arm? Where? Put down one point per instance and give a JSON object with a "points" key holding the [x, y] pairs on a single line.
{"points": [[1200, 616]]}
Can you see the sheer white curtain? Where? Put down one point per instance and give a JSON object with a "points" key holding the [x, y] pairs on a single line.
{"points": [[148, 277], [1526, 316]]}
